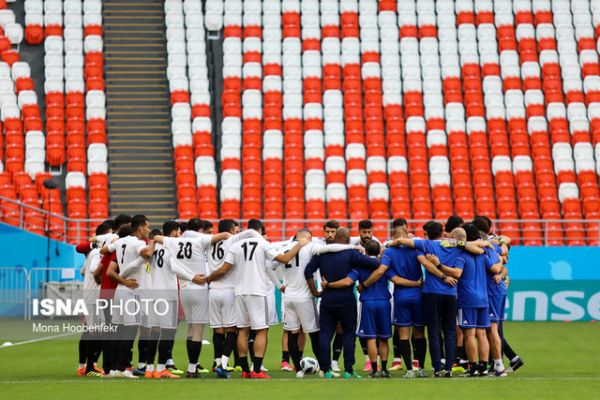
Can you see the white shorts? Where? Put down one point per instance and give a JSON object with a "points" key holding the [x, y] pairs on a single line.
{"points": [[127, 308], [272, 308], [163, 314], [301, 313], [93, 318], [251, 311], [221, 308], [195, 305]]}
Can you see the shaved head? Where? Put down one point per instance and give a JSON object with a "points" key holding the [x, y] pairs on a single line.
{"points": [[342, 235], [459, 234], [303, 233], [398, 232]]}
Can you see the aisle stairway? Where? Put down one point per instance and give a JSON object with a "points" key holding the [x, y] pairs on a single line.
{"points": [[138, 110]]}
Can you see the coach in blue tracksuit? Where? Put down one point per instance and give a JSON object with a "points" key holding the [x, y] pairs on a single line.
{"points": [[337, 305]]}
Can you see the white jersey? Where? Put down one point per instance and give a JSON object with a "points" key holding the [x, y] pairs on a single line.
{"points": [[216, 257], [249, 257], [355, 240], [106, 239], [91, 290], [296, 287], [128, 251], [162, 278], [189, 252]]}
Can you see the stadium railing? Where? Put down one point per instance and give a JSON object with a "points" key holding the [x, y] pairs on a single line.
{"points": [[588, 231]]}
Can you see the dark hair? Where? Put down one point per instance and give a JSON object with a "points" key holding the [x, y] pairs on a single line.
{"points": [[365, 224], [481, 223], [138, 221], [433, 229], [154, 233], [103, 228], [226, 225], [255, 224], [332, 223], [195, 224], [125, 231], [183, 226], [372, 248], [110, 222], [170, 226], [206, 225], [235, 223], [472, 231], [453, 221], [490, 223], [399, 222], [121, 220]]}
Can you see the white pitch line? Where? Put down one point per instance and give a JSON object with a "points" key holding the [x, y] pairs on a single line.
{"points": [[121, 381], [38, 340]]}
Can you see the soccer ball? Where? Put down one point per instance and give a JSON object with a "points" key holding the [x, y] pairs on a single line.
{"points": [[309, 365]]}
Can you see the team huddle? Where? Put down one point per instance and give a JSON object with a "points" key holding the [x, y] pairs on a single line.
{"points": [[452, 282]]}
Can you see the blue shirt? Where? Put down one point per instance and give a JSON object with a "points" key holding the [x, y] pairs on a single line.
{"points": [[378, 290], [334, 267], [449, 256], [494, 289], [472, 285], [402, 261]]}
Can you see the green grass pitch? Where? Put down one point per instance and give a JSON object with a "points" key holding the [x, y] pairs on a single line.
{"points": [[561, 362]]}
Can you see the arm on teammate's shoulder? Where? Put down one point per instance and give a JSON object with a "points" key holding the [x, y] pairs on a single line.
{"points": [[319, 249], [247, 234], [359, 260], [219, 237], [159, 239], [286, 257], [148, 251], [402, 242], [375, 275]]}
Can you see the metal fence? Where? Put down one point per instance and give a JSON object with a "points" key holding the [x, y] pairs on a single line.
{"points": [[19, 287], [541, 232]]}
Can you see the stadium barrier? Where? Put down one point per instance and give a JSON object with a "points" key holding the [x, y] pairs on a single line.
{"points": [[544, 234], [13, 291]]}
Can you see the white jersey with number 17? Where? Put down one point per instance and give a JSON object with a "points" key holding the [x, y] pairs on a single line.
{"points": [[249, 257], [216, 257]]}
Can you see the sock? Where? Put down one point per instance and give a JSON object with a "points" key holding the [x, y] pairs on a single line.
{"points": [[515, 359], [228, 347], [244, 364], [192, 367], [420, 346], [170, 360], [406, 356], [363, 345], [194, 354], [142, 352], [507, 350], [251, 344], [188, 343], [483, 366], [218, 344], [396, 345], [83, 345], [285, 355], [374, 366], [314, 342], [499, 365], [160, 367], [338, 343], [150, 367], [293, 349], [152, 347], [384, 365], [81, 365], [257, 364], [460, 354]]}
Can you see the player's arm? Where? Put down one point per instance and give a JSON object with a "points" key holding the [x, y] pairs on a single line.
{"points": [[318, 249], [402, 242], [131, 268], [501, 276], [286, 257], [113, 273], [84, 247], [247, 234], [452, 271], [99, 268], [433, 270], [271, 274], [109, 248], [218, 274], [219, 237], [400, 281], [340, 284], [375, 275], [309, 271], [148, 251]]}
